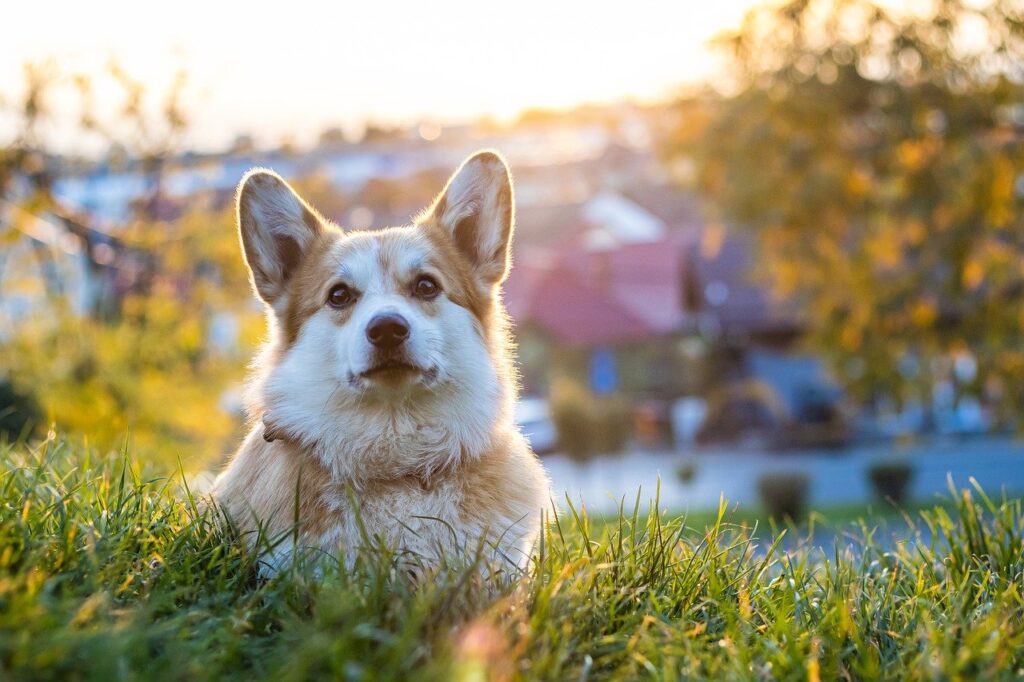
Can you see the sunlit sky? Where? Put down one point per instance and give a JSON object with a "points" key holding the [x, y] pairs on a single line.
{"points": [[289, 68]]}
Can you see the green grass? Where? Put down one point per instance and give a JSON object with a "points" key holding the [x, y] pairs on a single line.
{"points": [[832, 519], [106, 573]]}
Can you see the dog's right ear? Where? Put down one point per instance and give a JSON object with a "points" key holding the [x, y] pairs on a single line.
{"points": [[276, 228]]}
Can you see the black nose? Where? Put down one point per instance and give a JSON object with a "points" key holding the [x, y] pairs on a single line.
{"points": [[388, 331]]}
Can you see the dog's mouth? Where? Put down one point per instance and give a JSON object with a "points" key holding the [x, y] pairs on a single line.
{"points": [[392, 366], [395, 370]]}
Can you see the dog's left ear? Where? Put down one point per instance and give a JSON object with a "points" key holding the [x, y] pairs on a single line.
{"points": [[476, 210]]}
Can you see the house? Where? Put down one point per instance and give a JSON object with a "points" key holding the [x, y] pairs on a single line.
{"points": [[596, 279], [630, 291]]}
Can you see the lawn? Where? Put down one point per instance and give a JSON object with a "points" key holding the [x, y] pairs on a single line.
{"points": [[107, 572]]}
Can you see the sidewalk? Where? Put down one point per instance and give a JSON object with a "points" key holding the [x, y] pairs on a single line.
{"points": [[836, 476]]}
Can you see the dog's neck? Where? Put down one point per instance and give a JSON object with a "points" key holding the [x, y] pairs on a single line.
{"points": [[424, 478], [421, 441]]}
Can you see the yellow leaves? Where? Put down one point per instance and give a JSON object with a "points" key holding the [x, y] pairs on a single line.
{"points": [[923, 313], [973, 274], [884, 249], [145, 373], [831, 254], [915, 232], [786, 277], [858, 182], [850, 338], [253, 330], [915, 154], [191, 334], [943, 216], [889, 208], [910, 154], [889, 238], [1001, 205], [1010, 361], [132, 305], [991, 261]]}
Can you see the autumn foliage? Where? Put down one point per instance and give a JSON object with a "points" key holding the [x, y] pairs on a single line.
{"points": [[878, 157]]}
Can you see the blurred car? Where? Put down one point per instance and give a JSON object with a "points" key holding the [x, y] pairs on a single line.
{"points": [[533, 416], [752, 414], [745, 412]]}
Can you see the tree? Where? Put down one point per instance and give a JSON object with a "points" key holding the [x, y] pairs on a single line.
{"points": [[332, 136], [878, 157], [146, 360]]}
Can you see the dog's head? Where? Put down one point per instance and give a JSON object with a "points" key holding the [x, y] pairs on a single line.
{"points": [[389, 346]]}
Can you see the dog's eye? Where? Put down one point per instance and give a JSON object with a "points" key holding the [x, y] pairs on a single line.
{"points": [[426, 287], [340, 296]]}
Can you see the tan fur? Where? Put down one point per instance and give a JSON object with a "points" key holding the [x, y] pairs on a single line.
{"points": [[447, 502], [263, 490], [493, 493]]}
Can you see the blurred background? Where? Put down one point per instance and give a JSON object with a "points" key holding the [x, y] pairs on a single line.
{"points": [[770, 250]]}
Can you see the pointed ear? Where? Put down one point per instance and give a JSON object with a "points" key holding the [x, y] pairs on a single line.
{"points": [[476, 210], [276, 228]]}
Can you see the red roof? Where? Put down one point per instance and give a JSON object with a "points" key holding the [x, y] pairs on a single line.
{"points": [[587, 297]]}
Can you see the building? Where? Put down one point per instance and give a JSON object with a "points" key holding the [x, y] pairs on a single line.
{"points": [[631, 292]]}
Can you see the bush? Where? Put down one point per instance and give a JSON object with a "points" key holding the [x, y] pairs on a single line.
{"points": [[571, 407], [588, 424], [687, 471], [891, 480], [19, 412], [613, 424], [783, 495]]}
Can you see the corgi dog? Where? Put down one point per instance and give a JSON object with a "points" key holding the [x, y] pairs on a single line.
{"points": [[382, 403]]}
